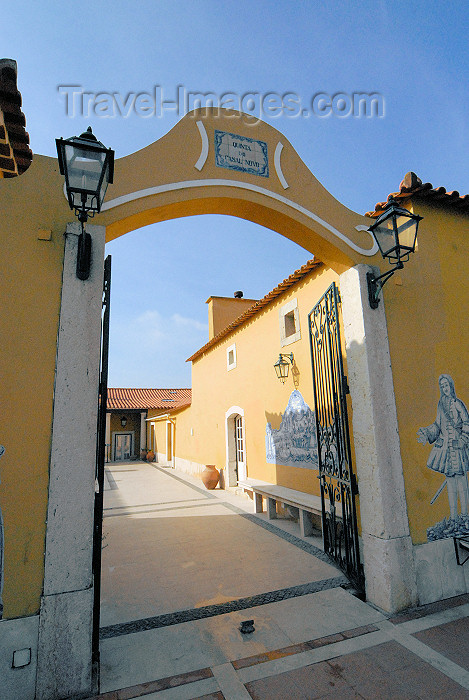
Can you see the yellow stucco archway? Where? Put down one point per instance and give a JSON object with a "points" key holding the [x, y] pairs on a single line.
{"points": [[212, 162], [219, 162]]}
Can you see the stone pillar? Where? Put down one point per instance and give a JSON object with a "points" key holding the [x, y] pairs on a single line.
{"points": [[65, 625], [387, 546]]}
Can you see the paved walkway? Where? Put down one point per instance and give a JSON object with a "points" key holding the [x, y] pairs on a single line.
{"points": [[183, 567]]}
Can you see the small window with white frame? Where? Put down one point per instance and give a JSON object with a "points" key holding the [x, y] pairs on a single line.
{"points": [[231, 357], [289, 319]]}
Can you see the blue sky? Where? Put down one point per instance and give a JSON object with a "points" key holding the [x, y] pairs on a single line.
{"points": [[413, 54]]}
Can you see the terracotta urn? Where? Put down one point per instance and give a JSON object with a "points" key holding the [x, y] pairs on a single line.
{"points": [[210, 476], [150, 456], [143, 454]]}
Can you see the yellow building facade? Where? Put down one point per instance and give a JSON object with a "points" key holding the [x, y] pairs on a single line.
{"points": [[248, 387]]}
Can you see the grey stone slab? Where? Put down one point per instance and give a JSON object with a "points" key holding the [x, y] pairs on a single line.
{"points": [[146, 656], [321, 614], [64, 658], [190, 691], [438, 574], [229, 683], [17, 635]]}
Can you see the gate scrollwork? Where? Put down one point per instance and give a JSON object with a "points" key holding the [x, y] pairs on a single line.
{"points": [[337, 481]]}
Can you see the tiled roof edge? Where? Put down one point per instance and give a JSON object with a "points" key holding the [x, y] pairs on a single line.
{"points": [[412, 186], [14, 119], [171, 409], [129, 399], [258, 306], [141, 388]]}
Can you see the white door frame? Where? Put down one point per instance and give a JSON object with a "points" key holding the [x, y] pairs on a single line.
{"points": [[170, 442], [230, 443], [115, 433]]}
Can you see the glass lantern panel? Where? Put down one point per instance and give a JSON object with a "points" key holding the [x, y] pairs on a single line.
{"points": [[84, 168], [386, 238], [104, 184], [407, 230], [282, 367]]}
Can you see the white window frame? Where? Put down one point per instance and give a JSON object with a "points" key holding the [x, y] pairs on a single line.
{"points": [[231, 365], [287, 308]]}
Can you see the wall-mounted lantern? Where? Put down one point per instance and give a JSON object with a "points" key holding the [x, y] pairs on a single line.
{"points": [[282, 366], [395, 232], [88, 167], [123, 421]]}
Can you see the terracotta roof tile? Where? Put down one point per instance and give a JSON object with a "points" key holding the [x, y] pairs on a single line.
{"points": [[412, 186], [258, 306], [126, 399], [15, 122]]}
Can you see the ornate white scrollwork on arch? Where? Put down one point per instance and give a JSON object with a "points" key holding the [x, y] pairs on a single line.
{"points": [[278, 167], [204, 148]]}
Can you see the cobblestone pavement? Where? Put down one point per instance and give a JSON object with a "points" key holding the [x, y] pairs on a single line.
{"points": [[311, 639]]}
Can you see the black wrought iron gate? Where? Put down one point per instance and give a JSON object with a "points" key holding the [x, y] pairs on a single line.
{"points": [[337, 481], [100, 456]]}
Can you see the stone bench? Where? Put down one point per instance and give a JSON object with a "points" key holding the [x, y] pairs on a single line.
{"points": [[306, 503]]}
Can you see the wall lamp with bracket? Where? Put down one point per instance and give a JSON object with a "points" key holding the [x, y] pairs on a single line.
{"points": [[395, 232], [88, 167], [282, 366], [123, 421]]}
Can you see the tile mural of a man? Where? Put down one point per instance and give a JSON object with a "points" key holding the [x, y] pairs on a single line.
{"points": [[449, 437]]}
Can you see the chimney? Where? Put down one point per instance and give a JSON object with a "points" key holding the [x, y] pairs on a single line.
{"points": [[224, 310]]}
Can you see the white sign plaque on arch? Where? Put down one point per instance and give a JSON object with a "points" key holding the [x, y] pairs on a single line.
{"points": [[241, 153]]}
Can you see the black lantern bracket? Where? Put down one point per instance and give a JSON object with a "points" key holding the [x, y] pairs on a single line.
{"points": [[375, 284], [395, 232], [84, 254]]}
